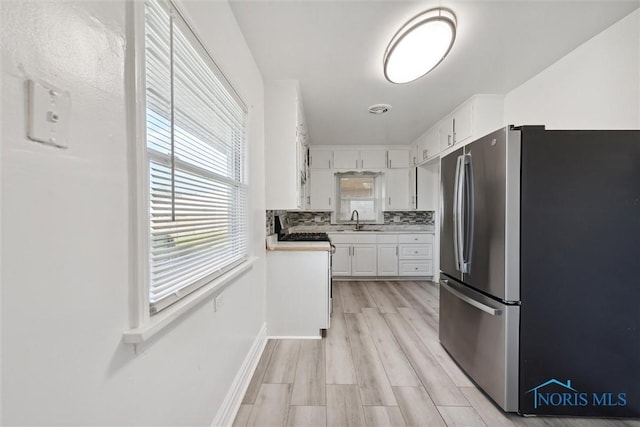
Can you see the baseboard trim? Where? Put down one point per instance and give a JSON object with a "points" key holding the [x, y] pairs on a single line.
{"points": [[293, 337], [232, 401]]}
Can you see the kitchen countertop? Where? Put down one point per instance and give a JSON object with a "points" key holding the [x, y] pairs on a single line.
{"points": [[274, 245], [369, 228]]}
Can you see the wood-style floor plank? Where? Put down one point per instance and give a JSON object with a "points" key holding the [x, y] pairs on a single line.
{"points": [[372, 378], [282, 365], [337, 298], [339, 366], [344, 406], [402, 288], [383, 416], [307, 416], [490, 414], [354, 297], [431, 298], [258, 375], [417, 407], [398, 369], [429, 338], [382, 300], [272, 405], [242, 417], [309, 383], [437, 383], [461, 416]]}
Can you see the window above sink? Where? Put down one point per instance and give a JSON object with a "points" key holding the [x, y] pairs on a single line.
{"points": [[361, 192]]}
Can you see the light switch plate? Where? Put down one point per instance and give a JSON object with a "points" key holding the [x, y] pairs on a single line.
{"points": [[49, 114]]}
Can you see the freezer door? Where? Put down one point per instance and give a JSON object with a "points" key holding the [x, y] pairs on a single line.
{"points": [[448, 257], [482, 335], [491, 190]]}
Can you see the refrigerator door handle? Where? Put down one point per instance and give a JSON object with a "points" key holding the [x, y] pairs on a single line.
{"points": [[468, 221], [480, 306], [457, 213]]}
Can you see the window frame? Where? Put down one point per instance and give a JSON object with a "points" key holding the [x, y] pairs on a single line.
{"points": [[144, 325], [377, 178]]}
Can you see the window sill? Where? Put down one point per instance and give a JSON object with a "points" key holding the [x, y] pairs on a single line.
{"points": [[166, 317]]}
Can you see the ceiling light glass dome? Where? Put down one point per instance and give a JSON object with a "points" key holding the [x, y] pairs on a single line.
{"points": [[420, 45]]}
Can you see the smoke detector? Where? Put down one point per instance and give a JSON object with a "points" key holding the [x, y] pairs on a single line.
{"points": [[379, 108]]}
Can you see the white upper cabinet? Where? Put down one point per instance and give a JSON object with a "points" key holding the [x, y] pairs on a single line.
{"points": [[321, 186], [319, 158], [285, 145], [445, 132], [462, 122], [427, 145], [475, 118], [428, 182], [346, 159], [373, 159], [359, 159], [397, 190], [398, 159]]}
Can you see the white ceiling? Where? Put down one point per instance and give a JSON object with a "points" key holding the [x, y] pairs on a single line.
{"points": [[335, 48]]}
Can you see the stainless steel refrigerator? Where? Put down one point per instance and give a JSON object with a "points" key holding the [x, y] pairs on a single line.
{"points": [[540, 253]]}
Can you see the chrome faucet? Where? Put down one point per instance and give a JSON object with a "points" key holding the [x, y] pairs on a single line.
{"points": [[357, 215]]}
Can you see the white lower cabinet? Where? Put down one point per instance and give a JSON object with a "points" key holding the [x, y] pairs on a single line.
{"points": [[415, 255], [341, 260], [364, 260], [382, 254], [294, 310], [387, 260]]}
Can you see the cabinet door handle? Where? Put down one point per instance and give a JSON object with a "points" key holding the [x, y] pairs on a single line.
{"points": [[329, 163], [329, 201], [454, 137], [390, 163], [396, 251], [448, 139]]}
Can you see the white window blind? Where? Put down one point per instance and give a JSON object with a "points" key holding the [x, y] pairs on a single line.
{"points": [[196, 131]]}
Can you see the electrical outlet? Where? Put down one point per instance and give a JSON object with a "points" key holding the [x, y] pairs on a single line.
{"points": [[396, 218], [218, 301], [318, 218]]}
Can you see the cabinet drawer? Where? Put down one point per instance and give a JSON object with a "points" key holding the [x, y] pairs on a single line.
{"points": [[416, 251], [415, 268], [355, 238], [415, 238], [387, 238]]}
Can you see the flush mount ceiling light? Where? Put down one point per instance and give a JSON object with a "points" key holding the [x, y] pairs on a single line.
{"points": [[420, 45]]}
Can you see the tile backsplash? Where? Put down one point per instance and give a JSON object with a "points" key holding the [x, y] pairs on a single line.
{"points": [[296, 218], [409, 217]]}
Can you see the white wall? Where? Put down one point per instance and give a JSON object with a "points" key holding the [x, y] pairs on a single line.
{"points": [[597, 86], [65, 234]]}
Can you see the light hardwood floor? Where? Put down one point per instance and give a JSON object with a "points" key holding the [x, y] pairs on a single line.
{"points": [[381, 364]]}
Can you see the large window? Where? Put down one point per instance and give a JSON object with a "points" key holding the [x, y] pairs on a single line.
{"points": [[358, 192], [196, 157]]}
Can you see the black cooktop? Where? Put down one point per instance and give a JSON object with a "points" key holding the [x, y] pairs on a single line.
{"points": [[304, 237]]}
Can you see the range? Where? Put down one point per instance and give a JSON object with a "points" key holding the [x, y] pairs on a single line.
{"points": [[304, 237]]}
